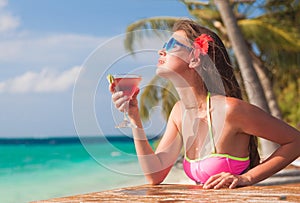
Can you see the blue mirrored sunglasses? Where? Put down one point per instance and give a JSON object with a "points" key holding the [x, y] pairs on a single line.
{"points": [[172, 42]]}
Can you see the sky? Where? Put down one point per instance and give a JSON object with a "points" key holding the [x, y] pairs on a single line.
{"points": [[44, 46]]}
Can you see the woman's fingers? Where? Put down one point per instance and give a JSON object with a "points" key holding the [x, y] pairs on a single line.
{"points": [[224, 182], [212, 181], [234, 183], [116, 96], [111, 87], [136, 93], [119, 99], [221, 180]]}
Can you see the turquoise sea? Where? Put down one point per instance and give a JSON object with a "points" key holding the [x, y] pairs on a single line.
{"points": [[37, 169]]}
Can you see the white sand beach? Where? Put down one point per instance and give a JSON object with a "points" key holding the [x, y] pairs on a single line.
{"points": [[178, 176]]}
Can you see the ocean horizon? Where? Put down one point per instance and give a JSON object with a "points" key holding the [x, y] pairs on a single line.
{"points": [[44, 168], [67, 139]]}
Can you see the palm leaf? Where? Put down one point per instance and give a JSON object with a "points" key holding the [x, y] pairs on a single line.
{"points": [[148, 26], [277, 46], [169, 97], [157, 90], [149, 98], [269, 36], [205, 13]]}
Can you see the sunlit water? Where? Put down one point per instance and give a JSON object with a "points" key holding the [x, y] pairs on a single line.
{"points": [[35, 170]]}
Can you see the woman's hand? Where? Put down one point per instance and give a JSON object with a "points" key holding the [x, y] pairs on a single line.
{"points": [[119, 100], [225, 180]]}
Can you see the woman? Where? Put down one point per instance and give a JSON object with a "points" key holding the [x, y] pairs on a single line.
{"points": [[210, 121]]}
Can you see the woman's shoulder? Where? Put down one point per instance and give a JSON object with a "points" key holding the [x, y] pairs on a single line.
{"points": [[231, 105], [177, 109], [176, 113], [235, 102], [231, 102], [235, 105], [237, 109]]}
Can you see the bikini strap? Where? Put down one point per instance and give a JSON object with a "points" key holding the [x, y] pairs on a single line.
{"points": [[213, 146]]}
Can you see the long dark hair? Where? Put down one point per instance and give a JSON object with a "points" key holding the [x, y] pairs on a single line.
{"points": [[218, 54]]}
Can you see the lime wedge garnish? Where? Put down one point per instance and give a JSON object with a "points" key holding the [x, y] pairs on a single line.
{"points": [[110, 78]]}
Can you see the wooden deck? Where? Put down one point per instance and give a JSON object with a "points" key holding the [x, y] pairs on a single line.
{"points": [[188, 193]]}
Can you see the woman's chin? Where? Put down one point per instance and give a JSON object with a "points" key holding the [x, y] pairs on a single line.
{"points": [[162, 72]]}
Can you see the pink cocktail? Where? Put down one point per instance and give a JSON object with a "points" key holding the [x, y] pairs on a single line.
{"points": [[128, 84]]}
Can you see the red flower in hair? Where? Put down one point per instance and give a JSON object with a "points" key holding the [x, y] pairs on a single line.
{"points": [[201, 44]]}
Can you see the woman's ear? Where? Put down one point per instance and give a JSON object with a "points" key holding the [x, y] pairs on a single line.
{"points": [[194, 62], [194, 58]]}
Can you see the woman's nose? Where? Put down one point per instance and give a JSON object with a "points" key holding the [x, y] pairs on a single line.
{"points": [[162, 52]]}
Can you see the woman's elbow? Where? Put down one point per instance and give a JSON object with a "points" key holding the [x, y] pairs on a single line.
{"points": [[155, 179], [154, 182], [297, 144]]}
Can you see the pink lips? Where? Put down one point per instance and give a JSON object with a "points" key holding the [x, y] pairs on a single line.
{"points": [[160, 61]]}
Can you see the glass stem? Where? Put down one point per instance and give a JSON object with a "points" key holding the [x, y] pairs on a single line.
{"points": [[126, 111]]}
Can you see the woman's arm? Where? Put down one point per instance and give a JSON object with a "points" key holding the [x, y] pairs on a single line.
{"points": [[155, 164], [255, 121], [249, 119]]}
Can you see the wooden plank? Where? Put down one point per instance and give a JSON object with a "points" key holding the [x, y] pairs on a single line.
{"points": [[188, 193]]}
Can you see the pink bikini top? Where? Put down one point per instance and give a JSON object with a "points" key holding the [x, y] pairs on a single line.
{"points": [[199, 170]]}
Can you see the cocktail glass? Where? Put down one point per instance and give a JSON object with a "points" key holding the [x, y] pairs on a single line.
{"points": [[128, 84]]}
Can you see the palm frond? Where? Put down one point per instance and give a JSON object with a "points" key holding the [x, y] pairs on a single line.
{"points": [[148, 26], [158, 90], [269, 36], [279, 47], [204, 12], [149, 98], [169, 97]]}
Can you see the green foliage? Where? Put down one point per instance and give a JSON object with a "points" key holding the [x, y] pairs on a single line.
{"points": [[202, 11], [149, 98], [287, 89], [158, 90], [205, 13], [147, 27], [169, 97]]}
